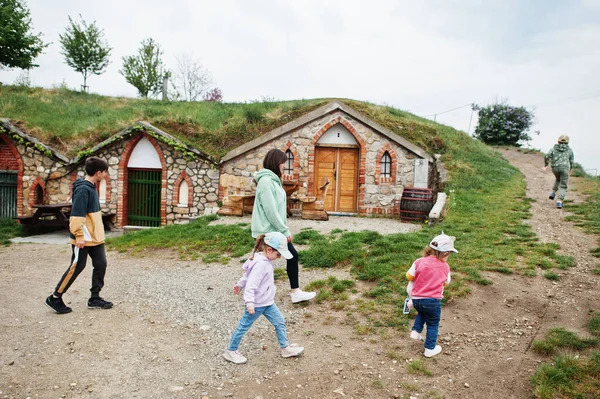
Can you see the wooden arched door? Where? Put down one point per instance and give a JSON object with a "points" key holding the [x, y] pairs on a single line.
{"points": [[340, 165]]}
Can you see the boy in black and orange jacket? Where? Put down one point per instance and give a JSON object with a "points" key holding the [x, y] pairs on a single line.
{"points": [[87, 238]]}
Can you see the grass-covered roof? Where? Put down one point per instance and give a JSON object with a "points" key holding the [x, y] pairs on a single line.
{"points": [[71, 121]]}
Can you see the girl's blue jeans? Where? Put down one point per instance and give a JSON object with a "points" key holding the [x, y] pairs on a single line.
{"points": [[429, 312], [272, 314]]}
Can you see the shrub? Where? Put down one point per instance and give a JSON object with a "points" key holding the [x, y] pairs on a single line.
{"points": [[503, 124]]}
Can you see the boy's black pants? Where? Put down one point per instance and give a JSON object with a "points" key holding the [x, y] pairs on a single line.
{"points": [[78, 262]]}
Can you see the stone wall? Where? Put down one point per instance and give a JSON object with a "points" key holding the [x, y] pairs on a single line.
{"points": [[56, 180], [201, 175], [376, 194], [40, 170]]}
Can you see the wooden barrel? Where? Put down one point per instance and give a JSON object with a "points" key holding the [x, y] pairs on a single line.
{"points": [[415, 204]]}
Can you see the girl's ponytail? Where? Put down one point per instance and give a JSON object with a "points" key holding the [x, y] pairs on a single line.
{"points": [[260, 241]]}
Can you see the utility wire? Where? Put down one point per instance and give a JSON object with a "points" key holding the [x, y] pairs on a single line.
{"points": [[453, 109]]}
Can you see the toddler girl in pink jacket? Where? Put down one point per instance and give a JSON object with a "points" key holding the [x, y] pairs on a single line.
{"points": [[429, 275]]}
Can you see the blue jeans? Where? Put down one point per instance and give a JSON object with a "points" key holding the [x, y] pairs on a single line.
{"points": [[429, 312], [272, 314]]}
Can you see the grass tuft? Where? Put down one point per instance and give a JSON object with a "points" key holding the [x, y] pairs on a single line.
{"points": [[559, 338], [593, 325], [568, 376], [9, 228], [418, 367]]}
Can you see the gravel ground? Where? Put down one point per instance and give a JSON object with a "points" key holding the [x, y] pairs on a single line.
{"points": [[348, 223], [172, 319]]}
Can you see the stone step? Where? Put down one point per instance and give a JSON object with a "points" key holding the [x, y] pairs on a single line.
{"points": [[127, 229]]}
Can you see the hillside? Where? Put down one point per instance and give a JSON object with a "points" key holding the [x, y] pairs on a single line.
{"points": [[71, 121]]}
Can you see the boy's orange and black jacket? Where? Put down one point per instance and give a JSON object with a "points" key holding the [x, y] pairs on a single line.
{"points": [[85, 222]]}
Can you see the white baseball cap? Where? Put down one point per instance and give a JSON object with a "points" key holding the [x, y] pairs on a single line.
{"points": [[278, 242], [443, 243]]}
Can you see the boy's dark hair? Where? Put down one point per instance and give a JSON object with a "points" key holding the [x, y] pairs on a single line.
{"points": [[273, 160], [94, 165]]}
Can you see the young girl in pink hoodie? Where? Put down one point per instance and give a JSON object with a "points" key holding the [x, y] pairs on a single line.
{"points": [[259, 295], [429, 275]]}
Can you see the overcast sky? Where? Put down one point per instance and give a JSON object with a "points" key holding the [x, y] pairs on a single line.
{"points": [[425, 57]]}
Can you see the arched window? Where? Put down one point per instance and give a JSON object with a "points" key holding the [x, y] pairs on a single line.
{"points": [[183, 194], [288, 169], [39, 195], [102, 191], [386, 165]]}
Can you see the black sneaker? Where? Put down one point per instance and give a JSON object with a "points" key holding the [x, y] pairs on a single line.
{"points": [[57, 305], [551, 196], [99, 303]]}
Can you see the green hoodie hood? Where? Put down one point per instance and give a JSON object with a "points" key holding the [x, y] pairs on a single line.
{"points": [[270, 205], [267, 174], [560, 156], [561, 147]]}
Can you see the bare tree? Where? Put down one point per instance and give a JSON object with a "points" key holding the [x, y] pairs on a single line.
{"points": [[189, 80]]}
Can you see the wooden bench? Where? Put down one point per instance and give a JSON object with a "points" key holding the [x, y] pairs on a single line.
{"points": [[24, 219], [313, 208]]}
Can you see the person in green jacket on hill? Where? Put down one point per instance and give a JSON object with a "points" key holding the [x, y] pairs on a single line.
{"points": [[270, 214], [560, 157]]}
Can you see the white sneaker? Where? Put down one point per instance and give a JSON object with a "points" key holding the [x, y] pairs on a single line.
{"points": [[301, 296], [416, 335], [234, 357], [432, 352], [292, 350]]}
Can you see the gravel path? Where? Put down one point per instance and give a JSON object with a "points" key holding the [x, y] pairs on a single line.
{"points": [[347, 223]]}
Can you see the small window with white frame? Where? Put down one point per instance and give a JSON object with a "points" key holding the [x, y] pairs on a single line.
{"points": [[183, 194], [386, 166], [102, 191]]}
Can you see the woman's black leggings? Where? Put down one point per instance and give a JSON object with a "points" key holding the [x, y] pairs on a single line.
{"points": [[292, 267]]}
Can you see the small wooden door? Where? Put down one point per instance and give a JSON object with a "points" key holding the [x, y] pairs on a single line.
{"points": [[340, 165]]}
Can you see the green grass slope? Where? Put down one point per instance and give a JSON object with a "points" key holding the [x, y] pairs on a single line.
{"points": [[72, 121]]}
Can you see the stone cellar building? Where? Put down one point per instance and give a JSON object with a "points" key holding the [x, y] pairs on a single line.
{"points": [[154, 179], [367, 165]]}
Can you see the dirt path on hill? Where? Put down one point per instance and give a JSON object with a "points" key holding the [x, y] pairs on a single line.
{"points": [[173, 318]]}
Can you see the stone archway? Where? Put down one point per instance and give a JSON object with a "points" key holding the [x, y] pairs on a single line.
{"points": [[135, 163], [11, 179]]}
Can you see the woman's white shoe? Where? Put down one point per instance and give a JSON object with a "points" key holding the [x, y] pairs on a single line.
{"points": [[301, 296]]}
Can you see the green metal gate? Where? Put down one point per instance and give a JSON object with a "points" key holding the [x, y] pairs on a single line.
{"points": [[8, 193], [144, 197]]}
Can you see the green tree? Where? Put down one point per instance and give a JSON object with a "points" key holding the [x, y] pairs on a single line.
{"points": [[503, 124], [85, 49], [144, 70], [18, 45]]}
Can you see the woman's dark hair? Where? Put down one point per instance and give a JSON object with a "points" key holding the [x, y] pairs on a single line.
{"points": [[273, 160], [93, 165]]}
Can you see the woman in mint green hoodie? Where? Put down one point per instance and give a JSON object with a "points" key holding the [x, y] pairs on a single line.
{"points": [[270, 214]]}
